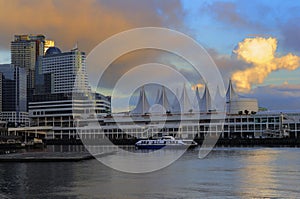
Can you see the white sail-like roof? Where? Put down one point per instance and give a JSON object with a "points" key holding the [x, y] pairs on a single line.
{"points": [[143, 105], [157, 96], [185, 101], [206, 101], [219, 101], [230, 94], [163, 100], [162, 103], [197, 100], [176, 105]]}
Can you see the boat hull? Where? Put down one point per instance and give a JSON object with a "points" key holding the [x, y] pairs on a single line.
{"points": [[160, 146], [154, 147]]}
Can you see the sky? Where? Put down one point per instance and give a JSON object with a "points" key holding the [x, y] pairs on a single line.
{"points": [[255, 43]]}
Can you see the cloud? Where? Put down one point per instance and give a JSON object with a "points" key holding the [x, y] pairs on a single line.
{"points": [[229, 13], [259, 17], [227, 64], [278, 97], [199, 86], [290, 32], [289, 90], [133, 59], [260, 53], [87, 22]]}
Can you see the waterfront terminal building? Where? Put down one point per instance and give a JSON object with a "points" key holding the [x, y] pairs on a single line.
{"points": [[240, 119]]}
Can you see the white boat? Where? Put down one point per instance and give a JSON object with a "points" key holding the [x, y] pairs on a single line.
{"points": [[165, 141]]}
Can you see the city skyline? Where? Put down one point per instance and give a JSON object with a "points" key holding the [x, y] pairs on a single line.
{"points": [[220, 26]]}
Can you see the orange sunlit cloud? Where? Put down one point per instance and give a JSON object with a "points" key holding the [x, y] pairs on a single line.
{"points": [[194, 87], [64, 21], [260, 53], [87, 22]]}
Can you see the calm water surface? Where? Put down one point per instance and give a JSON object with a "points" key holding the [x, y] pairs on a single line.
{"points": [[224, 173]]}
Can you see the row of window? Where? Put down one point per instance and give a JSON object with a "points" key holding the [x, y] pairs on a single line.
{"points": [[251, 119]]}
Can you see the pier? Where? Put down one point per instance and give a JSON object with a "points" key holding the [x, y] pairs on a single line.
{"points": [[46, 157], [50, 156]]}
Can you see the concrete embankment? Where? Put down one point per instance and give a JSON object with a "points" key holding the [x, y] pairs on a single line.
{"points": [[49, 156]]}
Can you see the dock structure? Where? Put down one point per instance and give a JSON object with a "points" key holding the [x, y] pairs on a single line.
{"points": [[26, 132], [46, 157]]}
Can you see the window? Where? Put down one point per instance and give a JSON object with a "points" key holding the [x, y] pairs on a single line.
{"points": [[270, 119]]}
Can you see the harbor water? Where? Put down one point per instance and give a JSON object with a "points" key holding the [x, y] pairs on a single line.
{"points": [[225, 173]]}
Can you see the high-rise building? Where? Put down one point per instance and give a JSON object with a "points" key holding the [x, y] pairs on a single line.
{"points": [[25, 50], [56, 72], [48, 44], [0, 92], [53, 101], [13, 95]]}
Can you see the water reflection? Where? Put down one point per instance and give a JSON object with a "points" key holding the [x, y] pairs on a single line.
{"points": [[226, 172], [257, 174], [35, 180]]}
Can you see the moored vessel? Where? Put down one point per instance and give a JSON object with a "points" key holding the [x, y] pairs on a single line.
{"points": [[165, 141]]}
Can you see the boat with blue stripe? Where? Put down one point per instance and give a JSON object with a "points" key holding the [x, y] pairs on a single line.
{"points": [[165, 141]]}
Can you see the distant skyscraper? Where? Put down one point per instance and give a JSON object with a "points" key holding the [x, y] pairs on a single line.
{"points": [[14, 94], [25, 50]]}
